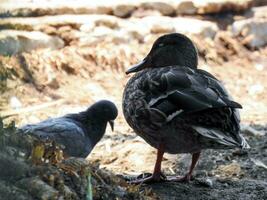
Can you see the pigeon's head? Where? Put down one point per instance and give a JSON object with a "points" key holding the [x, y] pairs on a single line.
{"points": [[169, 50], [105, 110]]}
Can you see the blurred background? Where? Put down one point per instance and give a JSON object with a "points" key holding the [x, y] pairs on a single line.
{"points": [[59, 56]]}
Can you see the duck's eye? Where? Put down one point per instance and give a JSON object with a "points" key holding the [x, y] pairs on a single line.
{"points": [[161, 44]]}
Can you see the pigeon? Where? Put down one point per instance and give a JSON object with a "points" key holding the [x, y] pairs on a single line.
{"points": [[176, 107], [78, 132]]}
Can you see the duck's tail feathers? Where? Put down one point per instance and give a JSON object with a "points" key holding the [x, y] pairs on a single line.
{"points": [[244, 144], [222, 138]]}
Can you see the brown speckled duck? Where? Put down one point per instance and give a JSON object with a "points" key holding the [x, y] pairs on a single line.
{"points": [[178, 108]]}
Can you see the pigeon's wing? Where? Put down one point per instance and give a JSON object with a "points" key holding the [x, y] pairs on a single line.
{"points": [[62, 130], [56, 127]]}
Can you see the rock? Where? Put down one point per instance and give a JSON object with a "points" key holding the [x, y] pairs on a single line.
{"points": [[74, 21], [108, 21], [205, 182], [215, 6], [163, 7], [102, 31], [34, 8], [13, 42], [15, 103], [159, 24], [197, 27], [124, 10], [259, 12], [256, 89], [253, 31], [162, 28], [88, 27], [259, 163], [248, 130], [134, 29], [140, 13], [186, 7], [139, 27]]}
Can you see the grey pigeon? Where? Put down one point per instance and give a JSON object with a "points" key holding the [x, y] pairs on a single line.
{"points": [[178, 108], [79, 132]]}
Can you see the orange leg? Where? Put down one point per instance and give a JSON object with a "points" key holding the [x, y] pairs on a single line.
{"points": [[188, 176], [157, 175]]}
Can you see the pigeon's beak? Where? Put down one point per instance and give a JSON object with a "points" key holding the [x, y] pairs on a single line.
{"points": [[111, 123], [137, 67]]}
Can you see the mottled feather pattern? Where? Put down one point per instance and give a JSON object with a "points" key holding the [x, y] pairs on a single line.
{"points": [[178, 99]]}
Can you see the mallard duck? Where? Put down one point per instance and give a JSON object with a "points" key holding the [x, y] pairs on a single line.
{"points": [[178, 108], [78, 132]]}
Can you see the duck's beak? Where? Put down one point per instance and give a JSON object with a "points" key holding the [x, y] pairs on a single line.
{"points": [[137, 67], [111, 123]]}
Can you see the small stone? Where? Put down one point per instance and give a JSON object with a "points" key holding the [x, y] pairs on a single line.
{"points": [[207, 182], [88, 27], [162, 28], [123, 10], [163, 7], [256, 89], [54, 84], [248, 130], [215, 6], [186, 7], [259, 66], [15, 103]]}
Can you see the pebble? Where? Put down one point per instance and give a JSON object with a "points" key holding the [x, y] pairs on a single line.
{"points": [[207, 182]]}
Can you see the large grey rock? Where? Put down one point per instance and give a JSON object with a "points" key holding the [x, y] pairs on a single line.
{"points": [[253, 31], [12, 41]]}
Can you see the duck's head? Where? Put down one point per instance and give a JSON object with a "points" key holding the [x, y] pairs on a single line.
{"points": [[169, 50]]}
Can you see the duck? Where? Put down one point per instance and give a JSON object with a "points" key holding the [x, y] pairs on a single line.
{"points": [[77, 132], [177, 108]]}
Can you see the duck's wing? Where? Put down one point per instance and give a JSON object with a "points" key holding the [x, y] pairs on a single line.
{"points": [[192, 93], [62, 130], [186, 90]]}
